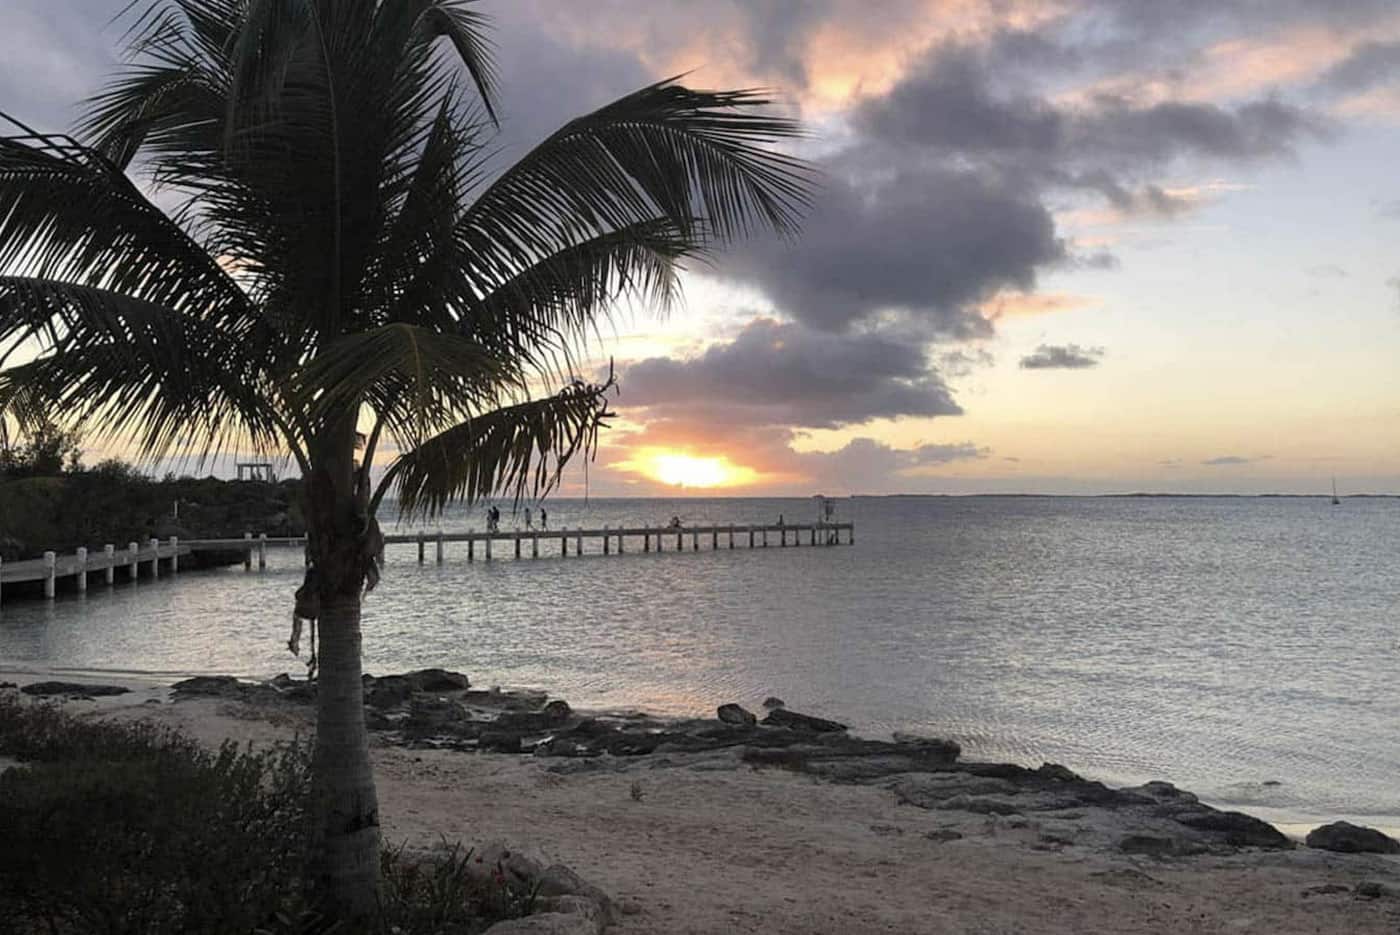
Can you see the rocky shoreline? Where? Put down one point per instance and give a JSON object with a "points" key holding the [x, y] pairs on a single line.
{"points": [[439, 709]]}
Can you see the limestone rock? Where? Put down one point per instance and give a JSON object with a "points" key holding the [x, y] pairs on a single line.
{"points": [[734, 714], [437, 680], [1346, 838], [547, 923], [782, 717], [223, 686], [559, 880], [1371, 889], [72, 688], [390, 691], [1236, 828]]}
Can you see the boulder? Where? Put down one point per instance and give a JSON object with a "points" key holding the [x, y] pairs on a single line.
{"points": [[72, 688], [437, 680], [1057, 773], [770, 703], [222, 686], [782, 717], [387, 692], [1236, 828], [1372, 889], [734, 714], [559, 880], [428, 714], [1346, 838], [557, 711]]}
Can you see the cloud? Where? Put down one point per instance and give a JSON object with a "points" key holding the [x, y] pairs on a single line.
{"points": [[1326, 271], [1062, 357], [1389, 209], [865, 464], [1369, 64], [928, 243], [946, 193], [785, 374], [1228, 460]]}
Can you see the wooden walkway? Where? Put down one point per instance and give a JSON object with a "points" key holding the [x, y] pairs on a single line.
{"points": [[515, 543]]}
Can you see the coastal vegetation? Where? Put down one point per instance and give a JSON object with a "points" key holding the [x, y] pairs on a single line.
{"points": [[126, 827], [54, 501], [344, 275]]}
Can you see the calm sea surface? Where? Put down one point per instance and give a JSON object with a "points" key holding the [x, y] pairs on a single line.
{"points": [[1218, 643]]}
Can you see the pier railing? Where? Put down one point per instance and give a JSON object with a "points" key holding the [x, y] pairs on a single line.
{"points": [[605, 540]]}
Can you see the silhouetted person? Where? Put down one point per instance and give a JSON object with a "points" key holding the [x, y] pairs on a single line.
{"points": [[528, 523], [675, 522], [780, 519], [544, 518]]}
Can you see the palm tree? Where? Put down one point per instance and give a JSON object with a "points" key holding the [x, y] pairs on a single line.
{"points": [[339, 270]]}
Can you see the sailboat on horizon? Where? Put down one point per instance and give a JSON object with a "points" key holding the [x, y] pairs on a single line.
{"points": [[1335, 501]]}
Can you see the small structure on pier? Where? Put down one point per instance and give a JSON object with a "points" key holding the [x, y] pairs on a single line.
{"points": [[256, 470]]}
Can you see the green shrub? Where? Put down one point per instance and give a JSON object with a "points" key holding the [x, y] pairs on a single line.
{"points": [[130, 828], [120, 828]]}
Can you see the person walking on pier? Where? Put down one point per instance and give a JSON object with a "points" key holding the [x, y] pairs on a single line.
{"points": [[544, 518], [529, 524]]}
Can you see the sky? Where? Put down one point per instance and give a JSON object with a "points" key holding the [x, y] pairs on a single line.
{"points": [[1059, 246]]}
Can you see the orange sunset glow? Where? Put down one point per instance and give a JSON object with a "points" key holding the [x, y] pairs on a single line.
{"points": [[678, 469]]}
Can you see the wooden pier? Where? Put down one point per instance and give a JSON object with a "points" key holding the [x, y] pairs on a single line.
{"points": [[516, 543]]}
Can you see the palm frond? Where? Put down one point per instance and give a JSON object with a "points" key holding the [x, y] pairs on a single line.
{"points": [[465, 28], [138, 369], [697, 158], [548, 305], [415, 379], [68, 214], [519, 448]]}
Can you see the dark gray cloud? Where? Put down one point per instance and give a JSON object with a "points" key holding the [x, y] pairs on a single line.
{"points": [[927, 242], [957, 100], [1229, 460], [1062, 357], [781, 373], [1369, 64], [949, 101]]}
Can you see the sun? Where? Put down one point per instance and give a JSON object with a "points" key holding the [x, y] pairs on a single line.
{"points": [[678, 469]]}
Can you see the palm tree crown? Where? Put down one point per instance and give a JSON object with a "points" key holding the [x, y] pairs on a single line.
{"points": [[340, 258]]}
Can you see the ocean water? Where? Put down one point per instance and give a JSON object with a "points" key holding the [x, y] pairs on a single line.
{"points": [[1242, 648]]}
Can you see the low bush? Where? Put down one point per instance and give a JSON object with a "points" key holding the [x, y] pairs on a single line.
{"points": [[118, 828], [127, 828]]}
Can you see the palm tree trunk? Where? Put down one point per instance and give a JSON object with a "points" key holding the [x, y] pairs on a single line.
{"points": [[346, 859]]}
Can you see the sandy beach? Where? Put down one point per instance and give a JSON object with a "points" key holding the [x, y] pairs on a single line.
{"points": [[695, 846]]}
